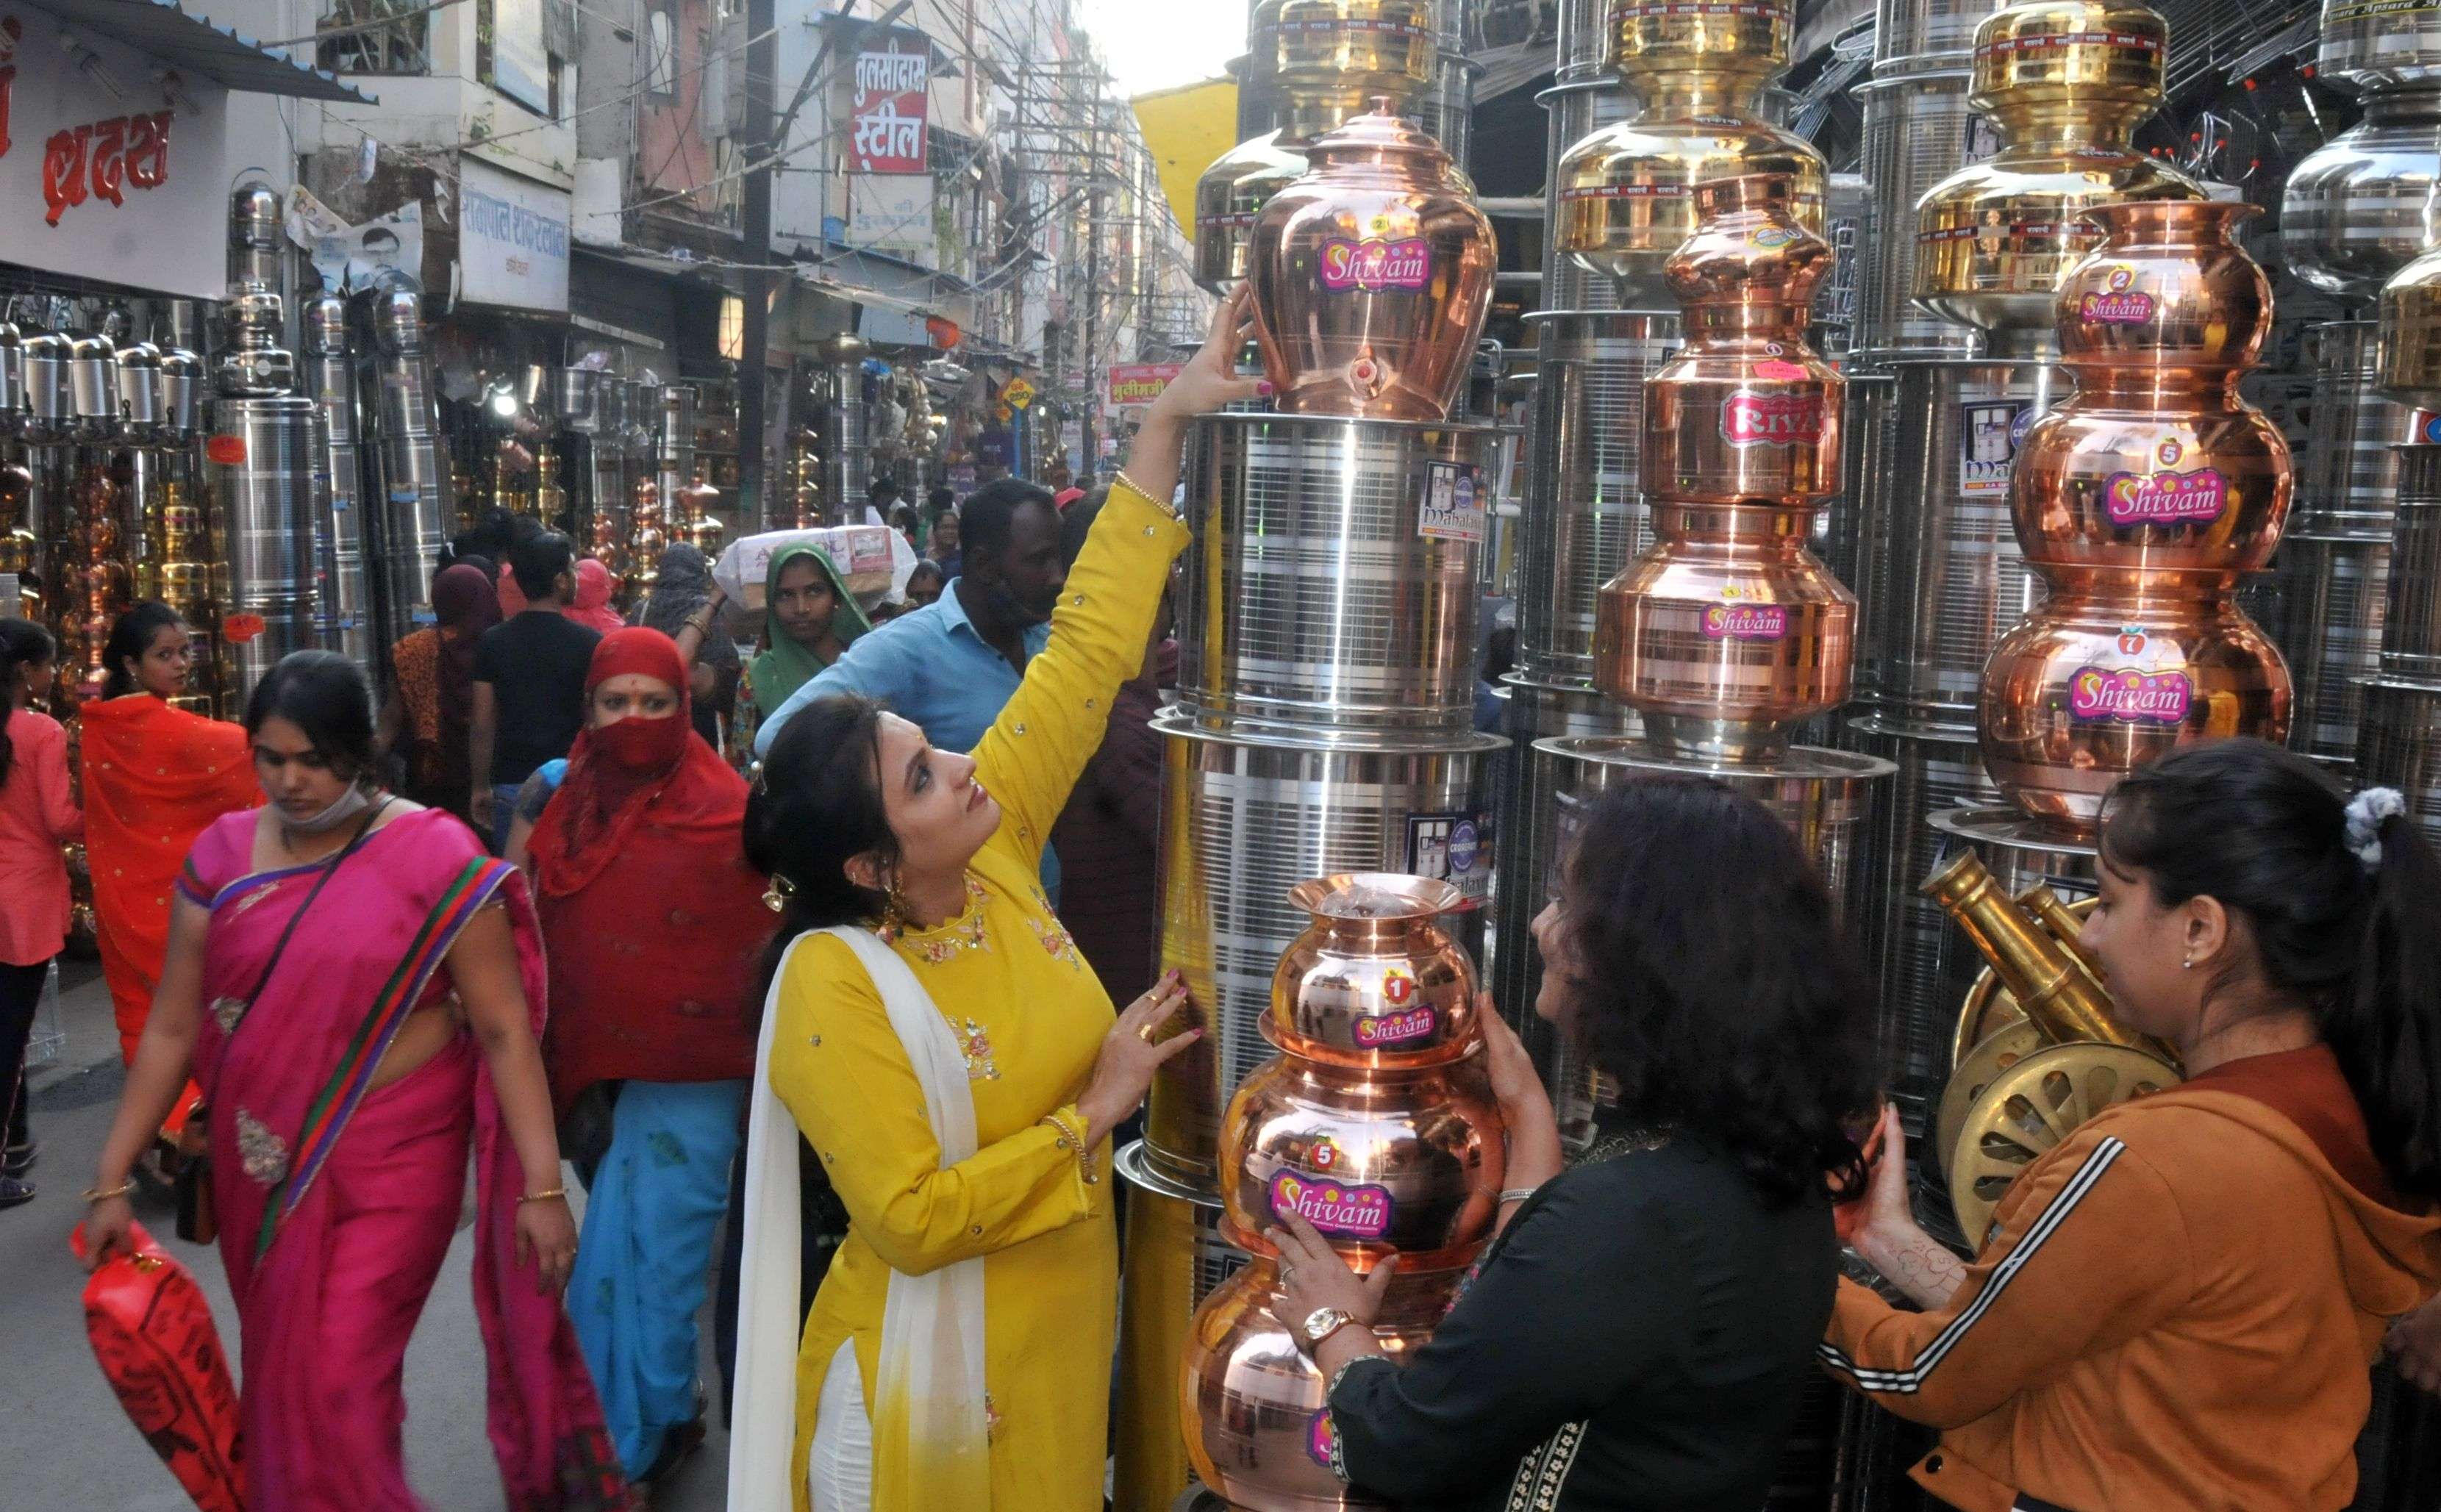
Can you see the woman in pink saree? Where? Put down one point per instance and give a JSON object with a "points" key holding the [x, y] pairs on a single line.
{"points": [[358, 989]]}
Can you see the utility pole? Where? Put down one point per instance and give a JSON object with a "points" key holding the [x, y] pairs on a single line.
{"points": [[1091, 429], [755, 337]]}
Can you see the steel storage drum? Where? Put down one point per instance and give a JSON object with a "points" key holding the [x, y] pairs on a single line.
{"points": [[1584, 519], [2400, 747], [1918, 131], [2348, 479], [577, 394], [1955, 578], [1245, 816], [1446, 112], [1578, 110], [2325, 614], [419, 512], [2410, 621], [1177, 1256], [1915, 36], [1334, 578], [265, 464], [1584, 40]]}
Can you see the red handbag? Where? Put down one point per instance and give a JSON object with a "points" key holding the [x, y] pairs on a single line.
{"points": [[152, 1332]]}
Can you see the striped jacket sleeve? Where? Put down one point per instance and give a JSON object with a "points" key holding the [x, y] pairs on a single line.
{"points": [[2088, 1250]]}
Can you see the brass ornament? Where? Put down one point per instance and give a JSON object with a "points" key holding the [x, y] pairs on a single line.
{"points": [[2029, 1108], [1981, 1066]]}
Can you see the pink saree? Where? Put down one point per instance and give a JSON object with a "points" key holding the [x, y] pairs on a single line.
{"points": [[336, 1204]]}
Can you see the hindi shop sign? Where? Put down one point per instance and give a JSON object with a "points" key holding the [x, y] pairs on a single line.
{"points": [[1136, 384], [888, 112], [126, 183], [513, 240]]}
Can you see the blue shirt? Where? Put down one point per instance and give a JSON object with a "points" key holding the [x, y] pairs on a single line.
{"points": [[933, 668]]}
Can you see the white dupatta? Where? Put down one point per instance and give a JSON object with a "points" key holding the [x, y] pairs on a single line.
{"points": [[929, 1437]]}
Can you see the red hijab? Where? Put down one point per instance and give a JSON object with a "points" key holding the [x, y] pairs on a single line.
{"points": [[654, 922]]}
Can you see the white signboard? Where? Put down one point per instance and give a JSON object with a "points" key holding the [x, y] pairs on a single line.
{"points": [[513, 240], [127, 187], [889, 211], [520, 67]]}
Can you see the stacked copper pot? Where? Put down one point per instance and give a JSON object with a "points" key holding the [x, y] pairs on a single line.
{"points": [[1376, 1123], [1329, 614], [2141, 501]]}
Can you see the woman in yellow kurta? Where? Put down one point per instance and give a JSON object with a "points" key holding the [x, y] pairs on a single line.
{"points": [[957, 1068]]}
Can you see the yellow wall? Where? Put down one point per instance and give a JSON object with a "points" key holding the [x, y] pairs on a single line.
{"points": [[1187, 128]]}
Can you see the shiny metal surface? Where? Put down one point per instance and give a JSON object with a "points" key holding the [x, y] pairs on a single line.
{"points": [[1175, 1257], [93, 386], [1940, 525], [1748, 42], [1918, 131], [1327, 59], [1245, 818], [576, 398], [847, 456], [1585, 517], [2375, 45], [1252, 1404], [257, 237], [1727, 632], [2033, 1106], [263, 462], [2330, 595], [1332, 581], [183, 392], [1382, 1161], [1584, 40], [2052, 984], [1373, 981], [1577, 111], [136, 376], [2352, 213], [420, 511], [1372, 276], [2400, 747], [1924, 36], [674, 452], [2348, 482], [328, 371], [2411, 619], [1229, 196], [2166, 290], [1446, 111], [51, 395]]}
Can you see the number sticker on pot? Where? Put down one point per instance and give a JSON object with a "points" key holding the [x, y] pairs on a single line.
{"points": [[2116, 304], [1346, 1208], [1408, 1019]]}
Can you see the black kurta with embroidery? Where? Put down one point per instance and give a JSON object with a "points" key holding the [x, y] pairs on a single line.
{"points": [[1636, 1339]]}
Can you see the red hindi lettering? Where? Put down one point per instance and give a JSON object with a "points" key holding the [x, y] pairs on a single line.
{"points": [[7, 102], [109, 171], [148, 150], [63, 171]]}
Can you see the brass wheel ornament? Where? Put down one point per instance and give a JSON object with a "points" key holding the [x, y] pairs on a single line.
{"points": [[1988, 1007], [2001, 1050], [2029, 1108]]}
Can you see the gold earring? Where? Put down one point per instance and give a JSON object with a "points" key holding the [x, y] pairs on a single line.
{"points": [[776, 896]]}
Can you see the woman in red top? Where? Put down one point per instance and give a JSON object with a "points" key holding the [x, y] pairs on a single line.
{"points": [[37, 813]]}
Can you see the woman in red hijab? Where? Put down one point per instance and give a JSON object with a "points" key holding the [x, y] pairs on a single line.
{"points": [[654, 927], [594, 587]]}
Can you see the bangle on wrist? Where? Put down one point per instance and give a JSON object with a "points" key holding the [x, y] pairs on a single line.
{"points": [[544, 1196], [1072, 1137], [1516, 1194], [103, 1193]]}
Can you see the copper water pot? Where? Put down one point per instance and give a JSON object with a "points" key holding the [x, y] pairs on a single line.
{"points": [[2066, 83], [1372, 276], [2167, 289], [2094, 685], [1727, 632], [2107, 486], [1373, 981], [1253, 1405], [1404, 1159]]}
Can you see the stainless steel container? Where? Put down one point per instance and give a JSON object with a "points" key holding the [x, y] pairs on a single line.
{"points": [[2351, 212], [1585, 40], [1585, 517], [2410, 617], [1177, 1256], [328, 375], [256, 237], [1446, 112], [136, 374], [2377, 47], [93, 385], [1577, 111], [674, 446], [847, 455], [1333, 580], [1920, 36], [419, 511], [2400, 747], [2326, 604], [576, 395], [2349, 479], [183, 392], [1950, 578], [12, 378], [264, 462], [51, 395], [1919, 130], [1246, 817]]}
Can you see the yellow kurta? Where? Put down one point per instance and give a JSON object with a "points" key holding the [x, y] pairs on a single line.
{"points": [[1030, 1015]]}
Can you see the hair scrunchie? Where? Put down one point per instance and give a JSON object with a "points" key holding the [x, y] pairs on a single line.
{"points": [[2367, 811]]}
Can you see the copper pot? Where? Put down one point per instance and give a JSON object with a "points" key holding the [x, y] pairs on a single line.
{"points": [[1727, 632], [1372, 276], [2066, 83], [2112, 485], [2095, 685], [1373, 981], [1395, 1158], [2167, 288], [1253, 1405]]}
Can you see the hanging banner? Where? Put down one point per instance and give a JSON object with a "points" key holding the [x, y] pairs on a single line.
{"points": [[1140, 382], [889, 111], [891, 212]]}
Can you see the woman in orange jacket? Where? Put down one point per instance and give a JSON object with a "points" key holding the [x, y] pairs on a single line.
{"points": [[2177, 1307]]}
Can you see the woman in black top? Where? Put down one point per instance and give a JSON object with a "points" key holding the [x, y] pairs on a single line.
{"points": [[1640, 1330]]}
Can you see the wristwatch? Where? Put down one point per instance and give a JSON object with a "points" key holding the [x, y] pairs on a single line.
{"points": [[1323, 1322]]}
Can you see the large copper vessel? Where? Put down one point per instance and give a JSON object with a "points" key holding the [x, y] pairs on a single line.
{"points": [[2067, 81], [1374, 982], [2141, 501], [1252, 1404], [1727, 633], [1622, 202], [1372, 276]]}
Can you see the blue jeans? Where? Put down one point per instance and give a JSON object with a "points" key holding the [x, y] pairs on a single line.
{"points": [[505, 813]]}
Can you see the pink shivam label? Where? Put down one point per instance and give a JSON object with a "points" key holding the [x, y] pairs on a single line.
{"points": [[1376, 1030], [1748, 419], [1333, 1207], [1745, 621], [1321, 1438], [2125, 693], [1377, 264], [2164, 499], [2117, 305]]}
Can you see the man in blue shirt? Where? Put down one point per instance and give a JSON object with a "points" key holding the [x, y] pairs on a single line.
{"points": [[952, 665]]}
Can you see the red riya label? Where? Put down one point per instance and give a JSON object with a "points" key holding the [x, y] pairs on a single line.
{"points": [[1748, 419], [239, 628], [228, 451]]}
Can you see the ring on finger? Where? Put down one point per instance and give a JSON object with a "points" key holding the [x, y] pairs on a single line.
{"points": [[1144, 1032]]}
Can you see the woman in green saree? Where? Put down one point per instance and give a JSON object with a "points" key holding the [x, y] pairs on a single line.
{"points": [[809, 619]]}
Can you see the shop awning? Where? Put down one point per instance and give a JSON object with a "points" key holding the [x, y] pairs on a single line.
{"points": [[192, 44]]}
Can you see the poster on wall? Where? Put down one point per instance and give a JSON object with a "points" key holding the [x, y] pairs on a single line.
{"points": [[513, 240], [520, 67], [110, 170], [889, 108]]}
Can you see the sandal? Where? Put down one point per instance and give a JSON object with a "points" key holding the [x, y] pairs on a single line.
{"points": [[21, 1158], [14, 1192]]}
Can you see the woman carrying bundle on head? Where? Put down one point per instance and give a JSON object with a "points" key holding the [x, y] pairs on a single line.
{"points": [[2177, 1305], [809, 619]]}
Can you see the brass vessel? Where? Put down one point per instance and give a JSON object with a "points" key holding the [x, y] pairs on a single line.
{"points": [[2066, 83], [1229, 197], [2029, 1108], [2410, 310], [1623, 197], [1727, 633], [1372, 276], [1374, 982], [2143, 501], [2048, 982]]}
